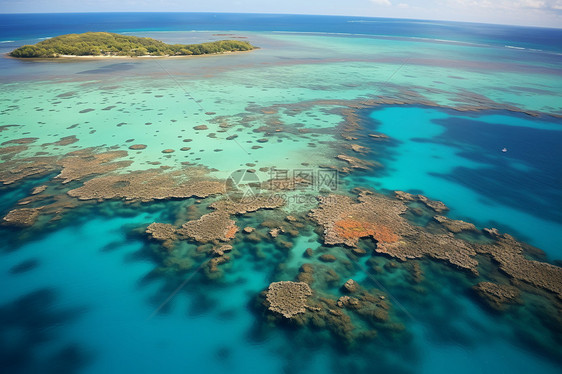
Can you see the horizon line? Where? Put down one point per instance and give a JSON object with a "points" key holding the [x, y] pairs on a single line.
{"points": [[297, 14]]}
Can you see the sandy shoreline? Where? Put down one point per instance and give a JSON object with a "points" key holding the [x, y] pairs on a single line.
{"points": [[73, 57]]}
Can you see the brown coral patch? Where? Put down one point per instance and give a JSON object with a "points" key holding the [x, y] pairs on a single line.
{"points": [[146, 186], [66, 140], [350, 286], [38, 189], [379, 136], [213, 264], [345, 222], [509, 253], [11, 150], [288, 298], [20, 141], [243, 206], [21, 217], [14, 171], [437, 206], [210, 227], [356, 163], [359, 148], [455, 226], [163, 232], [441, 247], [221, 250], [85, 163]]}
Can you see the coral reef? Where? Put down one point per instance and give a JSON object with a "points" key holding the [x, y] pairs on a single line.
{"points": [[345, 222], [437, 206], [356, 163], [441, 247], [38, 189], [21, 217], [327, 258], [20, 141], [288, 298], [210, 227], [497, 296], [244, 206], [352, 230], [510, 255], [455, 226], [44, 205], [221, 250], [306, 274], [350, 286], [274, 232], [216, 226], [85, 163], [379, 136], [9, 152], [15, 171], [358, 148], [163, 232], [349, 318], [146, 186], [212, 270], [65, 140]]}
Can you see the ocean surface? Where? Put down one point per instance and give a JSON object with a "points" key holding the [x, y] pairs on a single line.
{"points": [[473, 115]]}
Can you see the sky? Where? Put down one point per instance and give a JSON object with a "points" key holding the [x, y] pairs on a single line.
{"points": [[545, 13]]}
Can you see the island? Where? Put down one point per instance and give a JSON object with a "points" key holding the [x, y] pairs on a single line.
{"points": [[107, 44]]}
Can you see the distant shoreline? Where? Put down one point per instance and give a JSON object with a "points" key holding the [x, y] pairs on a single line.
{"points": [[109, 45], [73, 57]]}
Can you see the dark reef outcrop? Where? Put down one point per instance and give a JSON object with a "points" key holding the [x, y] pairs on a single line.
{"points": [[497, 296]]}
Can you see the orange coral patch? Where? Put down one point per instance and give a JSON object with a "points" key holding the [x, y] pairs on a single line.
{"points": [[231, 232], [354, 229]]}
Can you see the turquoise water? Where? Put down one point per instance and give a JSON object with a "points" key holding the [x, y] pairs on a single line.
{"points": [[90, 293], [96, 289]]}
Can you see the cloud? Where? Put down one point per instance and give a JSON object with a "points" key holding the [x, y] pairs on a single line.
{"points": [[381, 2], [509, 4], [532, 4]]}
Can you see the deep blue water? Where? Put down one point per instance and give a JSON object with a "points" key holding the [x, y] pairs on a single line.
{"points": [[458, 159], [25, 26]]}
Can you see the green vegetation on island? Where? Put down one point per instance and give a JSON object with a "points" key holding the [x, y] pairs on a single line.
{"points": [[111, 44]]}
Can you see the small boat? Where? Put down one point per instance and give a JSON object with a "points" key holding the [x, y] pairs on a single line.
{"points": [[504, 150]]}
